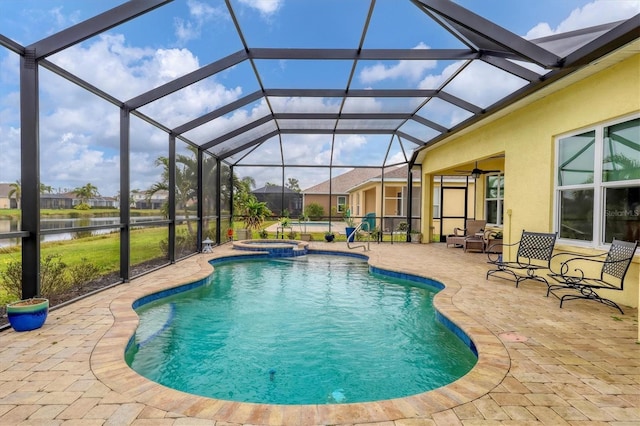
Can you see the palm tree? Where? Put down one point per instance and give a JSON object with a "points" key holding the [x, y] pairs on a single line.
{"points": [[85, 192], [254, 214], [622, 168], [242, 193], [45, 188], [16, 192], [186, 172]]}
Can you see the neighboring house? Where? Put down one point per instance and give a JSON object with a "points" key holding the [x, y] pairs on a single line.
{"points": [[5, 201], [142, 200], [570, 156], [58, 201], [69, 200], [335, 192], [102, 202], [279, 198]]}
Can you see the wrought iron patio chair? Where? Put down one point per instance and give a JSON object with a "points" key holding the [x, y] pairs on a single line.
{"points": [[471, 228], [610, 275], [535, 250]]}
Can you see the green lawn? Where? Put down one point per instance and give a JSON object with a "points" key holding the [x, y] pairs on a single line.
{"points": [[103, 251], [73, 213]]}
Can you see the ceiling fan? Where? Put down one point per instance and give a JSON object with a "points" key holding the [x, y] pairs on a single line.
{"points": [[476, 172]]}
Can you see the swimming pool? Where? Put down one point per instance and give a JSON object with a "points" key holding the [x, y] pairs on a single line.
{"points": [[279, 355]]}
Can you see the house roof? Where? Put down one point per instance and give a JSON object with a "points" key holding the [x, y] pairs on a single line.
{"points": [[4, 190], [341, 184], [274, 189], [399, 172], [347, 182]]}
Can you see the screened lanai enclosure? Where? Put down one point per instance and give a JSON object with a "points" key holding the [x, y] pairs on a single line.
{"points": [[329, 113]]}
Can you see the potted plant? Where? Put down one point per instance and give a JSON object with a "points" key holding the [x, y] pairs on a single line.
{"points": [[402, 229], [350, 227], [302, 221], [415, 236], [285, 222], [329, 237], [28, 314], [255, 213]]}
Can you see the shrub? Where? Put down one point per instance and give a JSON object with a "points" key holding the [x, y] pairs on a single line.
{"points": [[12, 277], [185, 243], [53, 279], [315, 211], [82, 273], [83, 206]]}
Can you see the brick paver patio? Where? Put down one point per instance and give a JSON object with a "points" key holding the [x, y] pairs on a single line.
{"points": [[538, 364]]}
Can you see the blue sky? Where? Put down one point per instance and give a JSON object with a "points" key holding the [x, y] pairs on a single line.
{"points": [[79, 133]]}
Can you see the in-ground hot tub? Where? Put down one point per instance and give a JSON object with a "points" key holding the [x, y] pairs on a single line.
{"points": [[275, 248]]}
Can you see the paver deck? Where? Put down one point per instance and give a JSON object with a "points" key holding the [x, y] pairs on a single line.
{"points": [[538, 364]]}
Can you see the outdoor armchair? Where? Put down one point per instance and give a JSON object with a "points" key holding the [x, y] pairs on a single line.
{"points": [[609, 275], [534, 253], [472, 227]]}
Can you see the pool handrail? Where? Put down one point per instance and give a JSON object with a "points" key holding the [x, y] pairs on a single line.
{"points": [[353, 234]]}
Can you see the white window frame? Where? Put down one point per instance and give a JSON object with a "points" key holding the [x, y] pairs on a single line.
{"points": [[341, 205], [499, 199], [599, 187]]}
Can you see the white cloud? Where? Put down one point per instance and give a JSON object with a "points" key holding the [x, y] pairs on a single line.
{"points": [[410, 70], [297, 104], [398, 157], [81, 164], [350, 150], [265, 7], [225, 124], [594, 13], [62, 19], [199, 14], [10, 158], [80, 132]]}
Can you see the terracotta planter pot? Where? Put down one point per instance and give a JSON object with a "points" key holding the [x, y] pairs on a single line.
{"points": [[28, 314]]}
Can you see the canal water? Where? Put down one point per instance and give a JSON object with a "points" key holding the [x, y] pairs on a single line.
{"points": [[9, 225]]}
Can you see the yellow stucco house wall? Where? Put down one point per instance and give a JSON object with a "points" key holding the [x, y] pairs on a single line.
{"points": [[389, 206], [526, 136]]}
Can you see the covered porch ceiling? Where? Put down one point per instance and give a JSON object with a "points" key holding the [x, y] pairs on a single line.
{"points": [[405, 117]]}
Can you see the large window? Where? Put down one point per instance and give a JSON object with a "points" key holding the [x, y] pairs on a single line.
{"points": [[494, 196], [598, 183]]}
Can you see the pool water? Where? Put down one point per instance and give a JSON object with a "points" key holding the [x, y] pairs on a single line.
{"points": [[315, 329]]}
